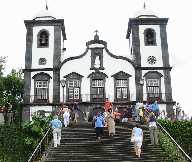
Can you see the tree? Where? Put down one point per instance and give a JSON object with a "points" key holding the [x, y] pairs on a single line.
{"points": [[11, 92]]}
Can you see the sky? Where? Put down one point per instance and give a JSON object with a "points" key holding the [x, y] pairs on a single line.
{"points": [[110, 18]]}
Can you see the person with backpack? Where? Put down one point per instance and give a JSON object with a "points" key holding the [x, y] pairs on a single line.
{"points": [[99, 125], [155, 108], [153, 129], [56, 125], [137, 139]]}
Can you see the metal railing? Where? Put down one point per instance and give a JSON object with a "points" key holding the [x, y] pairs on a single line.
{"points": [[41, 147], [185, 155]]}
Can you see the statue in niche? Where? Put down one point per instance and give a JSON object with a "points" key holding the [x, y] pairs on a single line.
{"points": [[97, 59], [97, 62]]}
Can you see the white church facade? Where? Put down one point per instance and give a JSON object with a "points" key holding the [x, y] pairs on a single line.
{"points": [[52, 79]]}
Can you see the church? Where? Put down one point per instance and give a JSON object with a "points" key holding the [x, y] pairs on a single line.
{"points": [[52, 79]]}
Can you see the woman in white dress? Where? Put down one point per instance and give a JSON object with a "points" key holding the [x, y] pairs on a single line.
{"points": [[66, 116], [110, 122], [137, 138]]}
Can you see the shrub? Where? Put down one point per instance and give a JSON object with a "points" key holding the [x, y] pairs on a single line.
{"points": [[181, 131], [17, 143]]}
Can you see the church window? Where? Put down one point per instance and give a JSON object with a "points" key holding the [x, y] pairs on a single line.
{"points": [[153, 85], [43, 39], [97, 90], [121, 89], [97, 86], [41, 87], [121, 84], [153, 88], [73, 89], [41, 90], [150, 37]]}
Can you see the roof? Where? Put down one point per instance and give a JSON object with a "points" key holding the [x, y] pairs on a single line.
{"points": [[145, 13], [44, 15]]}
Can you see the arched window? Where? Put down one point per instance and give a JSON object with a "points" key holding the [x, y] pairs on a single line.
{"points": [[43, 39], [73, 87], [150, 37], [97, 88], [153, 85], [121, 84], [41, 87]]}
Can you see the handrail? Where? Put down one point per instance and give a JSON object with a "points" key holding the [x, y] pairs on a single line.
{"points": [[184, 153], [38, 146]]}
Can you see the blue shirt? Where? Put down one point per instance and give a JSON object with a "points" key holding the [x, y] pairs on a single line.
{"points": [[56, 123], [137, 132], [99, 121], [155, 107]]}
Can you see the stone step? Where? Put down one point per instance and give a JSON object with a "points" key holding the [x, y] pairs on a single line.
{"points": [[79, 144]]}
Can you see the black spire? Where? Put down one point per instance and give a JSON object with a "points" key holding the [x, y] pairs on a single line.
{"points": [[46, 7], [144, 5], [96, 37]]}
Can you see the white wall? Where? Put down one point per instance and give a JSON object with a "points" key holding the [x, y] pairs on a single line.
{"points": [[42, 52], [147, 51], [111, 65]]}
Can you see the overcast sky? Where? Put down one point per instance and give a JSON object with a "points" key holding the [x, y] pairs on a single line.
{"points": [[110, 18]]}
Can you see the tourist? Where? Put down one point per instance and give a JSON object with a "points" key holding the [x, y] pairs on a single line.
{"points": [[56, 127], [99, 124], [117, 115], [107, 105], [137, 139], [137, 107], [130, 113], [76, 112], [184, 116], [155, 108], [125, 116], [66, 116], [163, 115], [177, 109], [153, 129], [141, 115], [110, 122]]}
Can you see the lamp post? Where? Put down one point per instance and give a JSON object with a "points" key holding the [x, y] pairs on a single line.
{"points": [[141, 83], [63, 82]]}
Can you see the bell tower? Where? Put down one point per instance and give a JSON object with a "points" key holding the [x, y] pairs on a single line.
{"points": [[44, 43], [149, 49]]}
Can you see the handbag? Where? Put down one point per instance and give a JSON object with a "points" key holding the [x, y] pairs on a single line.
{"points": [[132, 139]]}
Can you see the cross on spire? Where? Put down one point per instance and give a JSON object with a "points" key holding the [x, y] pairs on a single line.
{"points": [[46, 7], [96, 31], [144, 5], [96, 37]]}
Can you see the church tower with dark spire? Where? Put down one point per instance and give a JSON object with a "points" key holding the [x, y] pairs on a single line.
{"points": [[149, 49], [44, 42]]}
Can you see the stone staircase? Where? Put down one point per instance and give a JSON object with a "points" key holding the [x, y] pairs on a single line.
{"points": [[79, 144]]}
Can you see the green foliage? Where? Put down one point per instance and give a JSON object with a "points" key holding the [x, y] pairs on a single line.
{"points": [[35, 129], [173, 154], [2, 63], [11, 94], [17, 143], [12, 146], [181, 131]]}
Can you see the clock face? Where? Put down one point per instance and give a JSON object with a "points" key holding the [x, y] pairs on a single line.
{"points": [[151, 60]]}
